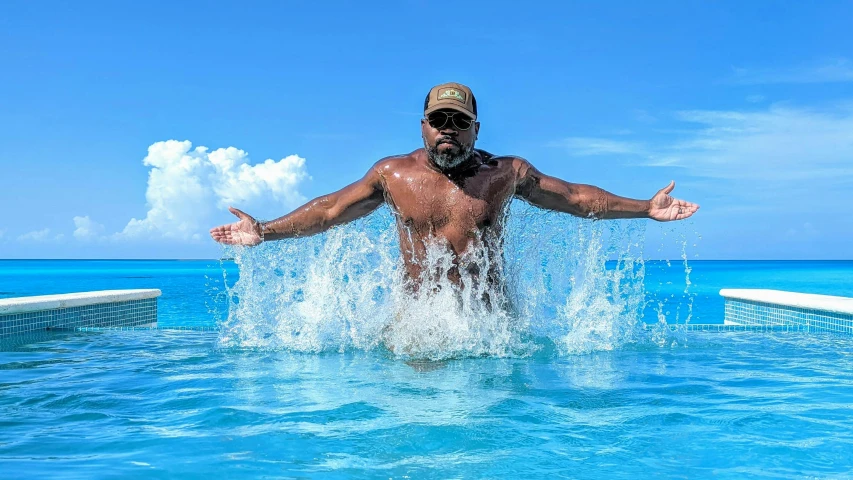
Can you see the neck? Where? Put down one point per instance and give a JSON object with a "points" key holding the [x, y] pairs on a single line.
{"points": [[435, 161], [472, 161]]}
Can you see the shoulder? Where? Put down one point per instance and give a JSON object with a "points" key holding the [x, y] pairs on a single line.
{"points": [[524, 175], [516, 163], [394, 163]]}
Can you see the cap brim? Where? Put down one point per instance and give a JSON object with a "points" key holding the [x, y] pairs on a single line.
{"points": [[450, 106]]}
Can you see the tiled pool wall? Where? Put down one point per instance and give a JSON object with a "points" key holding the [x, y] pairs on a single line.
{"points": [[136, 312], [745, 310], [799, 314]]}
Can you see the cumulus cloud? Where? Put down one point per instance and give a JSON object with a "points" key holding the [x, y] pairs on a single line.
{"points": [[86, 229], [187, 186]]}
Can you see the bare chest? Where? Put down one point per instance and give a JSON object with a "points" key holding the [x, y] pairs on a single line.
{"points": [[435, 202]]}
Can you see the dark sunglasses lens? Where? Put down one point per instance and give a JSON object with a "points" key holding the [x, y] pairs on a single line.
{"points": [[461, 122], [437, 119]]}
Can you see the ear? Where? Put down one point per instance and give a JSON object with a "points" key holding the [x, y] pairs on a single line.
{"points": [[476, 129]]}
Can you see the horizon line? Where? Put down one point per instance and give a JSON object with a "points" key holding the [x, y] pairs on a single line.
{"points": [[231, 258]]}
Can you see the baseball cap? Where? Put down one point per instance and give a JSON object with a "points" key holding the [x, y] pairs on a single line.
{"points": [[454, 96]]}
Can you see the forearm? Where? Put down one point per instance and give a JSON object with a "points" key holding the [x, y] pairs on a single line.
{"points": [[318, 215], [579, 199], [325, 212], [595, 202], [353, 201], [309, 219]]}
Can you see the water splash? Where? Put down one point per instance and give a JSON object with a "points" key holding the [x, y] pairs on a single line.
{"points": [[571, 286]]}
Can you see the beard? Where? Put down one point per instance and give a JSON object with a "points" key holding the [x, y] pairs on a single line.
{"points": [[447, 160]]}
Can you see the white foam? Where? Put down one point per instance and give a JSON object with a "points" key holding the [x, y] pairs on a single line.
{"points": [[343, 290]]}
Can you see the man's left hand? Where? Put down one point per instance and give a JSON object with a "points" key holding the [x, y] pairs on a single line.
{"points": [[664, 208]]}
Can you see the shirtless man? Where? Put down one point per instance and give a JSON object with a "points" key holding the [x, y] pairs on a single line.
{"points": [[448, 192]]}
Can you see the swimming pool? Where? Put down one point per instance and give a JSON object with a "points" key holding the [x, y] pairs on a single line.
{"points": [[161, 403], [164, 404]]}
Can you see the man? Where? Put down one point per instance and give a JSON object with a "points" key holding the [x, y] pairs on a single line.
{"points": [[449, 194]]}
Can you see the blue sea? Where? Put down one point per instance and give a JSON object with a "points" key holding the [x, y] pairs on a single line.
{"points": [[194, 291], [166, 404]]}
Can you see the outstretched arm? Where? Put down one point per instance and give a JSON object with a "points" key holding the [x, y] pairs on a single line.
{"points": [[318, 215], [589, 201]]}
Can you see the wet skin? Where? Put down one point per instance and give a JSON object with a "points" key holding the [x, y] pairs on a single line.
{"points": [[456, 207], [449, 210]]}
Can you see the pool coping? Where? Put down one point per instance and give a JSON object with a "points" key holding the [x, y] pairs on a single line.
{"points": [[17, 305], [812, 301]]}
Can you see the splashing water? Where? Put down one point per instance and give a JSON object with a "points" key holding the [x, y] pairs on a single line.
{"points": [[344, 289]]}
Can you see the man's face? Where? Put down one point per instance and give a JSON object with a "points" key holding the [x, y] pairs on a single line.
{"points": [[447, 141]]}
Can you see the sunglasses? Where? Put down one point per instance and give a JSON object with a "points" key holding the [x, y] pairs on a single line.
{"points": [[438, 120]]}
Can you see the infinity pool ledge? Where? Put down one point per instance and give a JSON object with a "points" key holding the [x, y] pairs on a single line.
{"points": [[105, 308]]}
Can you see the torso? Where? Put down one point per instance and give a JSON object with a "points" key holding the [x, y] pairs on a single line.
{"points": [[455, 212]]}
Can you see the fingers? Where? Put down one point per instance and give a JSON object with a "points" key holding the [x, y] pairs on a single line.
{"points": [[239, 213], [225, 234], [667, 189], [222, 235], [684, 209], [235, 233], [683, 204], [232, 235], [686, 214]]}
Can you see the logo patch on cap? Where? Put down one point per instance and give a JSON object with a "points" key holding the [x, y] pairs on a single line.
{"points": [[451, 93]]}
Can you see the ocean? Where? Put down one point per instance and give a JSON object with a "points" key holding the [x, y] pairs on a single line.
{"points": [[194, 291]]}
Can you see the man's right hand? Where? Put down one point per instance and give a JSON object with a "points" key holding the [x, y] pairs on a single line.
{"points": [[245, 232]]}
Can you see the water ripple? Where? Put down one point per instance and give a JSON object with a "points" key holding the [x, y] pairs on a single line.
{"points": [[173, 404]]}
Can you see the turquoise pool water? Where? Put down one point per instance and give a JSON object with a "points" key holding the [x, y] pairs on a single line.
{"points": [[172, 404], [161, 404]]}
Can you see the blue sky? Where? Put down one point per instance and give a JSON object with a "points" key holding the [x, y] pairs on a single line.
{"points": [[747, 105]]}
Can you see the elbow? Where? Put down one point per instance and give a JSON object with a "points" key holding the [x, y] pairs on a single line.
{"points": [[594, 205], [326, 207]]}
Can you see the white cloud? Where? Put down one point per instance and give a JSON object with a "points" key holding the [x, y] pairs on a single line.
{"points": [[755, 98], [828, 71], [36, 236], [187, 186], [779, 144], [86, 229], [778, 157]]}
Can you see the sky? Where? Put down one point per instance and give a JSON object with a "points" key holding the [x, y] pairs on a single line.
{"points": [[127, 128]]}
